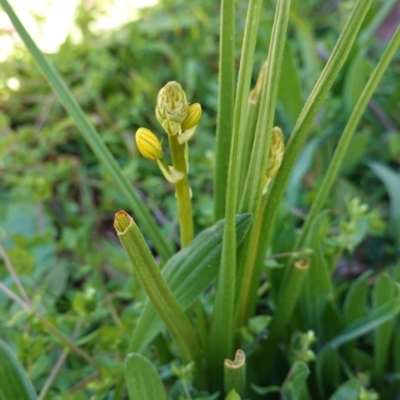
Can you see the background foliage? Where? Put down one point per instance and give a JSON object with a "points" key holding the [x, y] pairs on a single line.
{"points": [[57, 204]]}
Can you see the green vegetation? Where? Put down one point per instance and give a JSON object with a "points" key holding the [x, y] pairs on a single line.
{"points": [[272, 273]]}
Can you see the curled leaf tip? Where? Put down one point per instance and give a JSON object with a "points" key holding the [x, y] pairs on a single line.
{"points": [[122, 221], [238, 362]]}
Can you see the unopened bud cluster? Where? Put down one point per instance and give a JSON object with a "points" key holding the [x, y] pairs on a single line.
{"points": [[276, 152], [177, 117]]}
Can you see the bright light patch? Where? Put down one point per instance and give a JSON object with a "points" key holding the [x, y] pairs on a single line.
{"points": [[13, 84]]}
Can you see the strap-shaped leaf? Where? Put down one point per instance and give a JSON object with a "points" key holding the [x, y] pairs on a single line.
{"points": [[367, 323], [14, 384], [142, 379], [187, 274]]}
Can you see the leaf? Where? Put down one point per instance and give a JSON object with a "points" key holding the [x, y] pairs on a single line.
{"points": [[188, 273], [142, 379], [289, 93], [356, 78], [348, 391], [356, 298], [383, 292], [367, 323], [295, 382], [303, 164], [328, 369], [391, 180], [14, 383], [317, 283]]}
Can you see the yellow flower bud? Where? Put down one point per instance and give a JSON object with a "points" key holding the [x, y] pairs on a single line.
{"points": [[188, 126], [172, 107], [193, 117], [148, 144]]}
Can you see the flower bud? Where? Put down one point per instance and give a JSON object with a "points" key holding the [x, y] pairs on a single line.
{"points": [[172, 107], [148, 144], [188, 126], [276, 152], [193, 117]]}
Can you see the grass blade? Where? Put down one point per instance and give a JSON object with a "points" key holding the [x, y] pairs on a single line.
{"points": [[226, 94]]}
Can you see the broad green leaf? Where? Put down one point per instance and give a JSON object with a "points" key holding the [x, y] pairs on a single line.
{"points": [[391, 180], [188, 273], [384, 291], [367, 323], [317, 283], [356, 298], [328, 370], [348, 391], [14, 384], [295, 382], [142, 379], [289, 93]]}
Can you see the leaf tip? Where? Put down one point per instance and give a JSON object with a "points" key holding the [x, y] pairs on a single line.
{"points": [[122, 221]]}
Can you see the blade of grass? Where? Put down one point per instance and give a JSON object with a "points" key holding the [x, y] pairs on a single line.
{"points": [[91, 136], [367, 323], [223, 323], [252, 194], [226, 92]]}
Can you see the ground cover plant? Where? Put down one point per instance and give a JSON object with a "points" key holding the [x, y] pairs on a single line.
{"points": [[272, 273]]}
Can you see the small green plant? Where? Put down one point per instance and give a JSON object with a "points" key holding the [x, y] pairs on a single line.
{"points": [[226, 321]]}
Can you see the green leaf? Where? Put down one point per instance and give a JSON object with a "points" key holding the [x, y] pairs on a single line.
{"points": [[356, 78], [14, 384], [384, 291], [367, 323], [328, 369], [348, 391], [142, 379], [317, 283], [289, 93], [187, 274], [391, 180], [356, 298], [294, 384]]}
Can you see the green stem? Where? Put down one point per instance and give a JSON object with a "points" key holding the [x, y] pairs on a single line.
{"points": [[92, 138], [235, 373], [223, 322], [226, 90], [155, 286], [306, 118], [347, 135], [182, 191]]}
